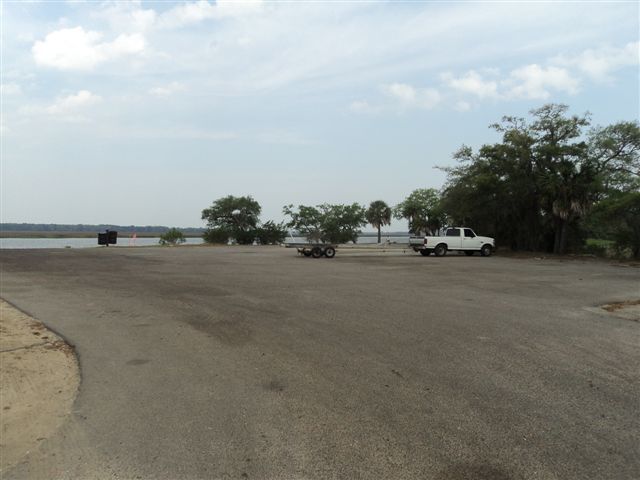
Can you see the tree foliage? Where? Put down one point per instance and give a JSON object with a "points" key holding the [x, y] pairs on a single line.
{"points": [[271, 232], [618, 218], [534, 189], [236, 217], [378, 215], [327, 223], [173, 236], [422, 210]]}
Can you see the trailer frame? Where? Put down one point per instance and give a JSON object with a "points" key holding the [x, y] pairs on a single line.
{"points": [[315, 250]]}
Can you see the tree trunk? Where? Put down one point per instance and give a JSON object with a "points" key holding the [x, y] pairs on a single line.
{"points": [[379, 235], [556, 236], [561, 235]]}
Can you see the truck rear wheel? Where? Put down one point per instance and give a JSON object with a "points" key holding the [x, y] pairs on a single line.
{"points": [[440, 250]]}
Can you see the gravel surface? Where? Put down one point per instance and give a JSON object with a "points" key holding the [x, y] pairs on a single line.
{"points": [[252, 362]]}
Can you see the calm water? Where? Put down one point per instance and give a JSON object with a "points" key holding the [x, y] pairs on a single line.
{"points": [[10, 243]]}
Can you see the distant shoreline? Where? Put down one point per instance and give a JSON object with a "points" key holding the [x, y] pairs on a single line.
{"points": [[71, 234]]}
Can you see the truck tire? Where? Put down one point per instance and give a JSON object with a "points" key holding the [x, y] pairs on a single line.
{"points": [[316, 252], [486, 250], [425, 253], [330, 252], [440, 250]]}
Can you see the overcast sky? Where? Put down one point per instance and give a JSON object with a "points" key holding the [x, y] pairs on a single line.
{"points": [[146, 112]]}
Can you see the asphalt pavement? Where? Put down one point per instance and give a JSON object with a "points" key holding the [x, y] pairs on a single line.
{"points": [[252, 362]]}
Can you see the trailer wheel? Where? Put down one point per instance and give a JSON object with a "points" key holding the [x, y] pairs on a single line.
{"points": [[486, 250], [306, 252], [425, 253], [330, 252], [316, 252], [440, 250]]}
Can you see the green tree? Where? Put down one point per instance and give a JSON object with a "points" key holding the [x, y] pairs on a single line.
{"points": [[216, 235], [173, 236], [342, 223], [238, 217], [271, 232], [618, 218], [306, 220], [534, 189], [422, 210], [378, 214], [327, 223]]}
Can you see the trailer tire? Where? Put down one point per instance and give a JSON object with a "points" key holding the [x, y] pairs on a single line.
{"points": [[316, 252], [306, 252], [330, 252], [425, 253], [486, 250], [440, 250]]}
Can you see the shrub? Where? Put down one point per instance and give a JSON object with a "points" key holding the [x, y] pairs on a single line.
{"points": [[173, 236]]}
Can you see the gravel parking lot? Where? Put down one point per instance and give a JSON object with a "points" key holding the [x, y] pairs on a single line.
{"points": [[252, 362]]}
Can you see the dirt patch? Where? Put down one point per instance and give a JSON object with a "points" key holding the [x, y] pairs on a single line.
{"points": [[629, 309], [40, 379]]}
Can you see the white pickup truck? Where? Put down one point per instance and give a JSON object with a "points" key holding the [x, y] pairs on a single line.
{"points": [[455, 238]]}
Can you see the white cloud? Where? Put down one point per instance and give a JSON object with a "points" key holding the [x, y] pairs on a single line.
{"points": [[282, 137], [462, 106], [187, 13], [73, 104], [167, 90], [235, 8], [362, 106], [78, 49], [535, 82], [195, 12], [70, 108], [600, 63], [127, 16], [10, 89], [473, 83], [412, 97]]}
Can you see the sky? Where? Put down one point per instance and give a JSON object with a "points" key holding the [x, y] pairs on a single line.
{"points": [[136, 112]]}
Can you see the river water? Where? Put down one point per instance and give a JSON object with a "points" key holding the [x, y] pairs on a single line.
{"points": [[21, 243]]}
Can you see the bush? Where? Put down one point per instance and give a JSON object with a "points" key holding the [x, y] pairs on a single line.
{"points": [[173, 236], [216, 235], [271, 233]]}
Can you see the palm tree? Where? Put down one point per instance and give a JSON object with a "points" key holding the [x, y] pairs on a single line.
{"points": [[378, 214]]}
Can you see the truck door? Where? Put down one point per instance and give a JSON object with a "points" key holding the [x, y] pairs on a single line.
{"points": [[454, 239], [470, 240]]}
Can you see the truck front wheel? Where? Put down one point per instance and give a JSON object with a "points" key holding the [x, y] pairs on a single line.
{"points": [[486, 250], [440, 250]]}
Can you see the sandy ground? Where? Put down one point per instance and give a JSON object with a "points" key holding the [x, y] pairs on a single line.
{"points": [[40, 379]]}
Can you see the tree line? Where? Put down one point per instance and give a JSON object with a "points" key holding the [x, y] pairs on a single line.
{"points": [[550, 183]]}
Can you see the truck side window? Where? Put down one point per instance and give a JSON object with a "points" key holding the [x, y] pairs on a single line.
{"points": [[469, 233], [453, 232]]}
